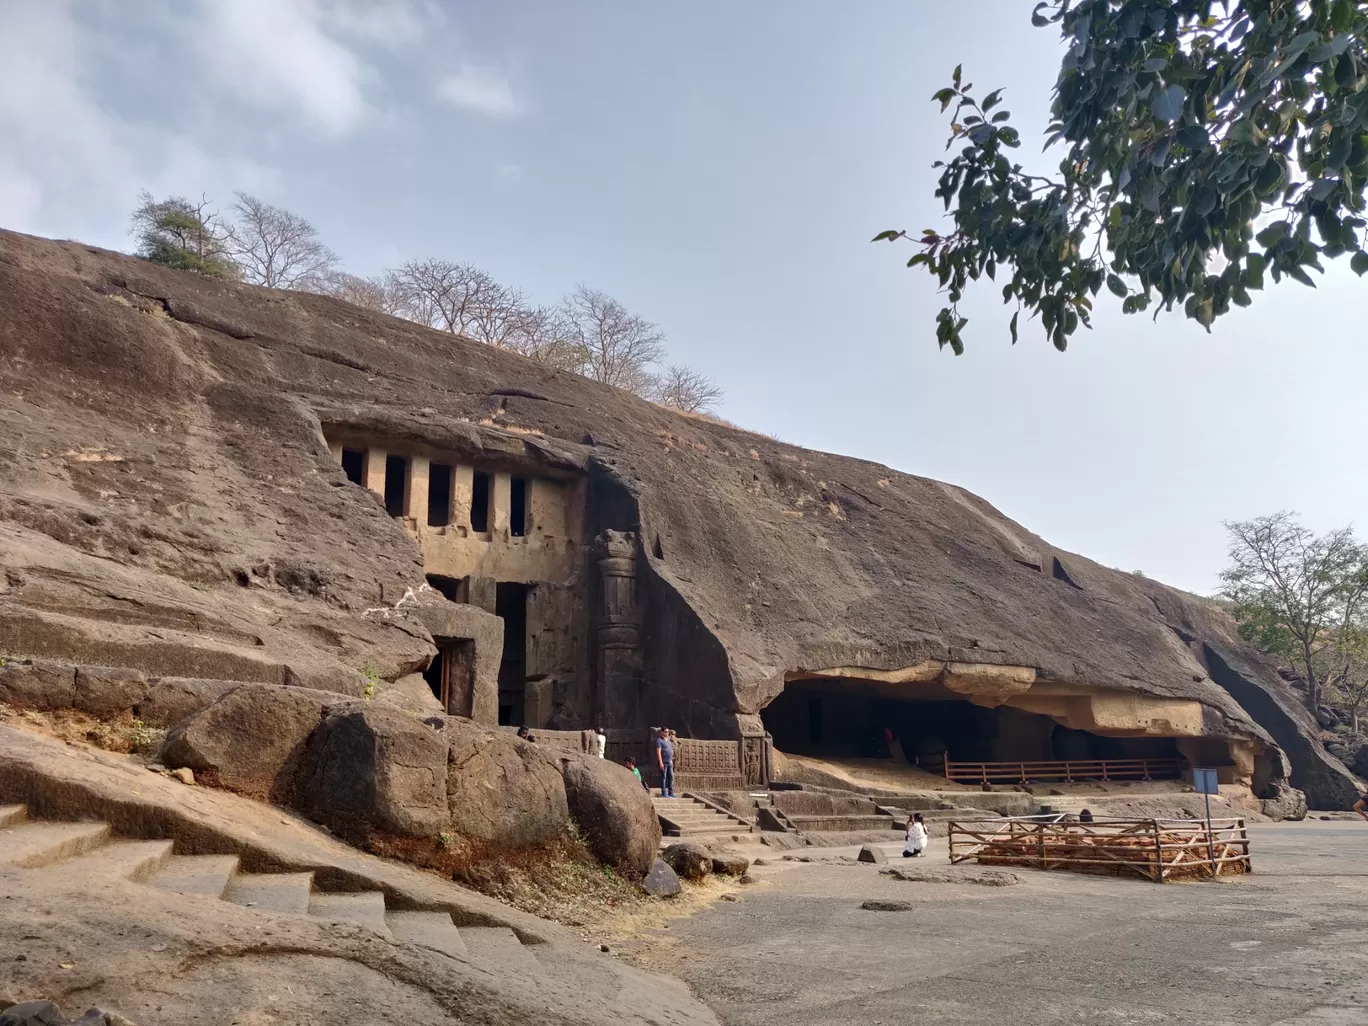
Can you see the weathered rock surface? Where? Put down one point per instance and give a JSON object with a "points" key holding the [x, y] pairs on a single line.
{"points": [[373, 768], [160, 957], [613, 811], [661, 881], [689, 859], [252, 740], [106, 691], [503, 790], [36, 684], [180, 513]]}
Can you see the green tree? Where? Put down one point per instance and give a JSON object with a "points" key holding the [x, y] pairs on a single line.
{"points": [[180, 233], [1208, 145], [1297, 594]]}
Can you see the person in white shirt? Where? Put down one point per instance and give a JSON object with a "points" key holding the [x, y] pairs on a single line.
{"points": [[916, 837], [601, 741]]}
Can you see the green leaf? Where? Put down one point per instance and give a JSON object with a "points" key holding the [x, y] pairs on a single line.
{"points": [[1168, 105], [1273, 234], [1358, 263], [1117, 286], [891, 235], [959, 70], [1013, 325], [1038, 19]]}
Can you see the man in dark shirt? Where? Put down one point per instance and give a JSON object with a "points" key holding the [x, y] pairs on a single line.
{"points": [[1361, 806], [665, 760]]}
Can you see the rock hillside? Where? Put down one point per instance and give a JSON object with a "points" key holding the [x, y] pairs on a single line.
{"points": [[168, 503]]}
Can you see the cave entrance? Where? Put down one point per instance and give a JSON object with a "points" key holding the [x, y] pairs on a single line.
{"points": [[919, 724], [451, 674], [510, 603]]}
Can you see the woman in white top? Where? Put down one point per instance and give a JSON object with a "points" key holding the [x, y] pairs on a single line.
{"points": [[916, 837], [600, 742]]}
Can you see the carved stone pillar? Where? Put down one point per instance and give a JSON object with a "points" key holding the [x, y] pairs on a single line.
{"points": [[617, 631]]}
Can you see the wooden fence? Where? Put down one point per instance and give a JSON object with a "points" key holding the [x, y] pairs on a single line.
{"points": [[1154, 849], [1067, 770]]}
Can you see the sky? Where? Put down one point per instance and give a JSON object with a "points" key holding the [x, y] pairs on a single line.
{"points": [[720, 168]]}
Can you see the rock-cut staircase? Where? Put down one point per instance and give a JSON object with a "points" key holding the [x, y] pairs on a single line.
{"points": [[688, 817], [94, 852]]}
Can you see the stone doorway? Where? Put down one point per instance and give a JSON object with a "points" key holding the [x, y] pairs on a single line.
{"points": [[451, 675]]}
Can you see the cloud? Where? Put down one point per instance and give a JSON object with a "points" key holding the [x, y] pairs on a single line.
{"points": [[277, 54], [479, 91], [70, 167]]}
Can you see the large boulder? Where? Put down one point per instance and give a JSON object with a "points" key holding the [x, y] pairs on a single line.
{"points": [[1285, 803], [171, 699], [107, 691], [501, 789], [251, 740], [689, 859], [613, 811], [37, 684], [371, 768]]}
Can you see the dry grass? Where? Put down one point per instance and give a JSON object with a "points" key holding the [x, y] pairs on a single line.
{"points": [[123, 734], [559, 880]]}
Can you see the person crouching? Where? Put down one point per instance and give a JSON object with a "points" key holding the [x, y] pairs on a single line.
{"points": [[916, 837]]}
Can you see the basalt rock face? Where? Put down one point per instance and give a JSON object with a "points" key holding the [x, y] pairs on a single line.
{"points": [[168, 503]]}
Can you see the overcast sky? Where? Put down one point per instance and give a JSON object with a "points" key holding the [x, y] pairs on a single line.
{"points": [[719, 167]]}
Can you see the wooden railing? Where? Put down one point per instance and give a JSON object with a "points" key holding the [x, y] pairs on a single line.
{"points": [[1066, 769], [1155, 849]]}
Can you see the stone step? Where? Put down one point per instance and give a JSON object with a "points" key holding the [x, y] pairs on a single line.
{"points": [[498, 950], [196, 874], [10, 815], [30, 843], [711, 832], [271, 892], [122, 860], [364, 907], [433, 930]]}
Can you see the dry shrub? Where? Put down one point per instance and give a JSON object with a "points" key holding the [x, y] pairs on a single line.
{"points": [[122, 734]]}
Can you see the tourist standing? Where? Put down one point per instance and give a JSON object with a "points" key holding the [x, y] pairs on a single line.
{"points": [[664, 751], [600, 741], [916, 837]]}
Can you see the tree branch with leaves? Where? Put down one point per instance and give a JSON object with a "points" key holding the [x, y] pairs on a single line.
{"points": [[1208, 146]]}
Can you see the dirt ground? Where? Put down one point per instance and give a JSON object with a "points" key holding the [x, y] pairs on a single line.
{"points": [[1286, 945]]}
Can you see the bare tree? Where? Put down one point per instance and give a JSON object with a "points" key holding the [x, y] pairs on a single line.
{"points": [[1295, 592], [619, 346], [544, 334], [1344, 669], [378, 293], [683, 388], [276, 248], [451, 297], [183, 233]]}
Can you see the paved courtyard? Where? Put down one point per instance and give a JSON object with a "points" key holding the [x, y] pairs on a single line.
{"points": [[1287, 945]]}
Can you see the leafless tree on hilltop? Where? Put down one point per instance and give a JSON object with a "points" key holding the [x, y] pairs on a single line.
{"points": [[276, 248]]}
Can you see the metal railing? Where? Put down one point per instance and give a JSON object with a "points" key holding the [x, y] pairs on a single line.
{"points": [[1063, 769]]}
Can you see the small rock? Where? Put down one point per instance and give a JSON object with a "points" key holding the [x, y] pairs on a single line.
{"points": [[760, 862], [185, 775], [872, 855], [156, 767], [1326, 818], [988, 787], [745, 879], [33, 1013], [730, 897], [661, 881], [887, 906], [604, 948], [729, 863]]}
